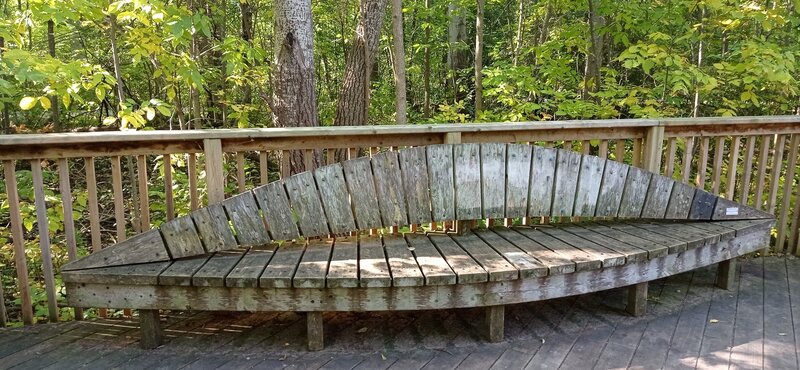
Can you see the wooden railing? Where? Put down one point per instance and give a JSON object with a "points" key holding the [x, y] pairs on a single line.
{"points": [[147, 177]]}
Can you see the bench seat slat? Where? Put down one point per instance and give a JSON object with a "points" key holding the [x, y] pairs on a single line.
{"points": [[493, 179], [611, 188], [526, 265], [402, 264], [139, 274], [467, 269], [180, 271], [467, 162], [389, 189], [213, 228], [181, 237], [680, 201], [413, 165], [442, 186], [633, 196], [314, 265], [589, 181], [555, 262], [608, 257], [274, 203], [243, 212], [566, 182], [673, 245], [692, 240], [543, 171], [724, 232], [334, 195], [214, 271], [359, 178], [655, 204], [245, 274], [650, 248], [306, 204], [343, 269], [373, 263], [583, 260], [496, 265], [630, 252], [518, 170], [281, 268], [430, 261]]}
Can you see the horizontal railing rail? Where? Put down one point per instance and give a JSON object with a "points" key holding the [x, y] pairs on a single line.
{"points": [[67, 193]]}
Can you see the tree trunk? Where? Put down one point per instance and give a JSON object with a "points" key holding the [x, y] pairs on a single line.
{"points": [[112, 36], [479, 59], [594, 58], [247, 35], [426, 74], [457, 53], [55, 115], [399, 62], [216, 89], [696, 105], [294, 101], [520, 30]]}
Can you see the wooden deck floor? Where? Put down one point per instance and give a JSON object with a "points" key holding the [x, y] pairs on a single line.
{"points": [[689, 324]]}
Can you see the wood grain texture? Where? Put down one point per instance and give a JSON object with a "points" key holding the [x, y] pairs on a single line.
{"points": [[633, 247], [138, 274], [343, 269], [518, 170], [466, 158], [213, 228], [607, 257], [141, 248], [556, 263], [493, 179], [216, 269], [335, 198], [490, 260], [281, 268], [246, 273], [611, 189], [373, 263], [403, 265], [633, 196], [246, 220], [658, 193], [430, 261], [589, 179], [181, 238], [566, 182], [389, 189], [526, 265], [361, 185], [680, 201], [43, 227], [702, 205], [725, 209], [306, 204], [274, 203], [180, 272], [467, 270], [581, 259], [414, 169], [442, 181], [313, 265]]}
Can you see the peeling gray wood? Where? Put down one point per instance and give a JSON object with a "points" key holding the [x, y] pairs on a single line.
{"points": [[215, 270], [543, 171], [675, 233], [140, 274], [566, 182], [636, 184], [680, 201], [360, 183], [402, 264], [389, 187], [466, 269], [611, 189], [343, 270], [281, 268], [440, 173], [729, 210], [372, 263], [493, 179], [313, 266], [673, 245], [180, 271], [589, 179], [430, 261], [335, 198], [582, 259], [213, 227], [555, 262], [306, 204], [414, 168], [468, 181], [635, 248], [494, 264], [181, 237], [518, 170], [655, 205], [142, 248], [596, 235], [275, 205], [246, 273], [702, 205], [244, 214], [607, 257], [526, 265]]}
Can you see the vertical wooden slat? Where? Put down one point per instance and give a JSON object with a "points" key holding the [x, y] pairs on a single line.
{"points": [[191, 171], [240, 179], [144, 198], [308, 158], [748, 169], [651, 158], [719, 147], [794, 239], [168, 195], [586, 147], [733, 166], [3, 314], [215, 174], [19, 243], [330, 155], [783, 225], [567, 145], [602, 151], [702, 164], [263, 167], [672, 148], [688, 154], [637, 153], [775, 173], [619, 150], [119, 198], [69, 222], [44, 240], [763, 156], [94, 212], [285, 165]]}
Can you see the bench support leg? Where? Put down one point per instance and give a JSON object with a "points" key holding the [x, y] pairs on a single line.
{"points": [[495, 317], [150, 323], [314, 323], [726, 274], [637, 299]]}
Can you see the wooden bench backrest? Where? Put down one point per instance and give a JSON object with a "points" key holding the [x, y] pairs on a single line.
{"points": [[421, 185]]}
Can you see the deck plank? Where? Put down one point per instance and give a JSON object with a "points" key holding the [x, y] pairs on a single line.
{"points": [[215, 270], [373, 265], [343, 270], [402, 264], [495, 264], [466, 268], [582, 259], [556, 263], [281, 268], [246, 273], [313, 265], [430, 261]]}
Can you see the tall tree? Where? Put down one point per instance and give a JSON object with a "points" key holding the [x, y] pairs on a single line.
{"points": [[399, 62], [55, 117], [479, 59], [457, 53], [247, 13], [294, 99], [594, 57], [426, 73]]}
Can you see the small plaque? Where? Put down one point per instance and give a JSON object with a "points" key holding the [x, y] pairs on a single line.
{"points": [[732, 211]]}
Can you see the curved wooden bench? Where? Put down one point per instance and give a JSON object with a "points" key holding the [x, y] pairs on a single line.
{"points": [[300, 244]]}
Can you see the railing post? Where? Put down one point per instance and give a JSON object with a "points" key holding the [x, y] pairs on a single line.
{"points": [[215, 175], [19, 244], [654, 142]]}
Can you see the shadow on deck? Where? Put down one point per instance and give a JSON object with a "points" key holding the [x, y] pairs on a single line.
{"points": [[689, 324]]}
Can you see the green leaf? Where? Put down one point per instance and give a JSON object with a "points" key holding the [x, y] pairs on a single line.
{"points": [[45, 102], [151, 113], [27, 103], [163, 110]]}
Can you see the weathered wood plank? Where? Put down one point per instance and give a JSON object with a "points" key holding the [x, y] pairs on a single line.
{"points": [[216, 269], [372, 264], [246, 220], [139, 274], [314, 265], [582, 259], [343, 270], [493, 179], [180, 271], [588, 191], [702, 205], [274, 204], [414, 168], [723, 231], [281, 268], [725, 209], [636, 184], [518, 170], [466, 269], [611, 189], [566, 180], [430, 261], [495, 264], [213, 228], [666, 230], [609, 258], [440, 173], [495, 318], [141, 248], [150, 324], [466, 158], [43, 227], [335, 198], [658, 240], [314, 332], [596, 236], [360, 183], [403, 266], [306, 204], [389, 189], [556, 263], [658, 193], [680, 201], [637, 299], [650, 248], [543, 169], [246, 273], [523, 262]]}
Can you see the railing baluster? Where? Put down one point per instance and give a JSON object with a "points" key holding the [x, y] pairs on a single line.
{"points": [[672, 147], [637, 152], [263, 166], [169, 197], [191, 171], [763, 157], [783, 225], [702, 163], [619, 150], [69, 221], [775, 173], [748, 170], [602, 151], [240, 179], [21, 264], [719, 147], [94, 212], [688, 154], [215, 173], [144, 195], [44, 239], [733, 166]]}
